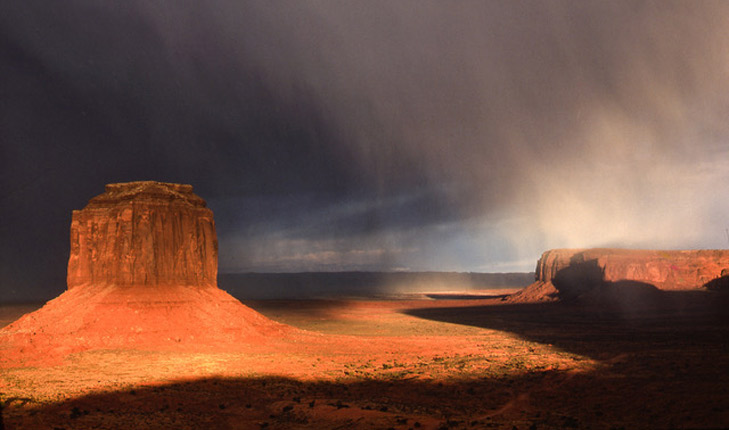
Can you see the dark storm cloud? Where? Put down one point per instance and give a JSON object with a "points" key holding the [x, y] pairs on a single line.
{"points": [[433, 135]]}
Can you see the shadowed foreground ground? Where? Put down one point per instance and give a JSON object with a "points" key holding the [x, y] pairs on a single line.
{"points": [[465, 363]]}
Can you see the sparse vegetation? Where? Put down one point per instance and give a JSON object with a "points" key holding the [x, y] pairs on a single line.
{"points": [[559, 368]]}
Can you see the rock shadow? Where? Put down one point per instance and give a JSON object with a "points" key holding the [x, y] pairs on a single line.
{"points": [[585, 280], [718, 284], [578, 278], [657, 324], [543, 400], [646, 352]]}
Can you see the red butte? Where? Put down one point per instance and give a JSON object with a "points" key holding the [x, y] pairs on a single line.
{"points": [[143, 234], [141, 274]]}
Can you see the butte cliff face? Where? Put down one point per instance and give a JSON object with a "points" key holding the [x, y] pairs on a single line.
{"points": [[143, 234], [564, 273], [141, 274]]}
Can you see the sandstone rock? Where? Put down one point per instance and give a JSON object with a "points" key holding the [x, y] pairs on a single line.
{"points": [[141, 274], [572, 272], [143, 233]]}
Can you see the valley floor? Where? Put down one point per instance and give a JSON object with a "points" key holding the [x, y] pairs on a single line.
{"points": [[429, 362]]}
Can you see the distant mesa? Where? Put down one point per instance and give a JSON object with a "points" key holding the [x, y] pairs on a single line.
{"points": [[141, 273], [579, 273]]}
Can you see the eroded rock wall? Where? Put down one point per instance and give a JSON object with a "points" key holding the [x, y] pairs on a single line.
{"points": [[620, 275], [666, 270], [143, 234]]}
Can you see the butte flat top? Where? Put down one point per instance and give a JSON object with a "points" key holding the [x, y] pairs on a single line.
{"points": [[146, 191]]}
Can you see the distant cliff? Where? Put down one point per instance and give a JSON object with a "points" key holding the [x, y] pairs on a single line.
{"points": [[562, 273]]}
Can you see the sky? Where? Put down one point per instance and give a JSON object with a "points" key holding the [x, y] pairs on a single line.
{"points": [[369, 135]]}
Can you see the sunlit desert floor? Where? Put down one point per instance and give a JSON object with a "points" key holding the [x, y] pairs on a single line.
{"points": [[426, 362]]}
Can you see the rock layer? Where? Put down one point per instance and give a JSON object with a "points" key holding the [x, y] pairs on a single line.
{"points": [[562, 272], [144, 234]]}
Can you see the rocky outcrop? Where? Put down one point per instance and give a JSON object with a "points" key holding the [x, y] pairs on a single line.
{"points": [[666, 270], [143, 234], [570, 272], [141, 274]]}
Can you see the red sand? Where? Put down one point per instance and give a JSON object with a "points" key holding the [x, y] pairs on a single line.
{"points": [[392, 364], [171, 317]]}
